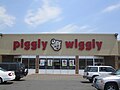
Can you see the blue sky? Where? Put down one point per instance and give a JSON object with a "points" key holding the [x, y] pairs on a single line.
{"points": [[59, 16]]}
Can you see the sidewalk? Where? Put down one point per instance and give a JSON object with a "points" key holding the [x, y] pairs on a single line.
{"points": [[50, 71]]}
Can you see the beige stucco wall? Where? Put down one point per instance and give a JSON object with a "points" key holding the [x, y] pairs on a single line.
{"points": [[109, 44]]}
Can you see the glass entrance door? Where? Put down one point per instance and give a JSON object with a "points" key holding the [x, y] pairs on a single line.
{"points": [[57, 63]]}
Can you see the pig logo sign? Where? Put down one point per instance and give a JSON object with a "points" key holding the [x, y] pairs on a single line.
{"points": [[56, 44]]}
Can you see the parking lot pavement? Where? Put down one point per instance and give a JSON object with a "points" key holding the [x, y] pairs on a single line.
{"points": [[49, 82]]}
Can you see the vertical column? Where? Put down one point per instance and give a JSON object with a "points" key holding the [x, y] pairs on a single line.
{"points": [[0, 58], [21, 59], [28, 62], [37, 64], [93, 61], [116, 62], [77, 64]]}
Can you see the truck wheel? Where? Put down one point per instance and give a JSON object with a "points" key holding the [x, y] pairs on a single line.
{"points": [[1, 81], [91, 80], [17, 78], [111, 86]]}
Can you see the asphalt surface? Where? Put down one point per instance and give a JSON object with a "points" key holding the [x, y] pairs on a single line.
{"points": [[49, 82]]}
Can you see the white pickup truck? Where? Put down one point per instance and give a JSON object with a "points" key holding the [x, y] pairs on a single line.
{"points": [[91, 72]]}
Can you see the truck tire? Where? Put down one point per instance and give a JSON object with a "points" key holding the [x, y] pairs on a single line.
{"points": [[91, 80], [17, 78], [1, 81]]}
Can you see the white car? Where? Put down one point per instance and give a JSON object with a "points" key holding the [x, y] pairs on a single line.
{"points": [[6, 75], [91, 72]]}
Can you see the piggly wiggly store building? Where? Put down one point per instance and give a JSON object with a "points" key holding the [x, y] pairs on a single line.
{"points": [[60, 53]]}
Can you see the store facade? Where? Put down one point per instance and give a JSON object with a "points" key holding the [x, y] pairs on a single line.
{"points": [[60, 51]]}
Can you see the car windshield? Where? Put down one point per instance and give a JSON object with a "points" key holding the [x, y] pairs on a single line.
{"points": [[117, 72], [2, 69]]}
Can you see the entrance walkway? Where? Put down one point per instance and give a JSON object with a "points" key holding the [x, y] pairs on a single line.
{"points": [[49, 71]]}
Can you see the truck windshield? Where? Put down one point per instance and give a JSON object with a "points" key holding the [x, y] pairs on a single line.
{"points": [[117, 72], [2, 69], [91, 69]]}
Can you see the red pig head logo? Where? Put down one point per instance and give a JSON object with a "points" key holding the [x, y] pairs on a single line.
{"points": [[56, 44]]}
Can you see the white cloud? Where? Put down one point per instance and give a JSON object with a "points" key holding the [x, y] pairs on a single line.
{"points": [[111, 8], [72, 28], [5, 18], [44, 14]]}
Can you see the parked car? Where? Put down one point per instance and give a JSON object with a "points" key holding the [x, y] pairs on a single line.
{"points": [[91, 72], [109, 82], [17, 67], [6, 75]]}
